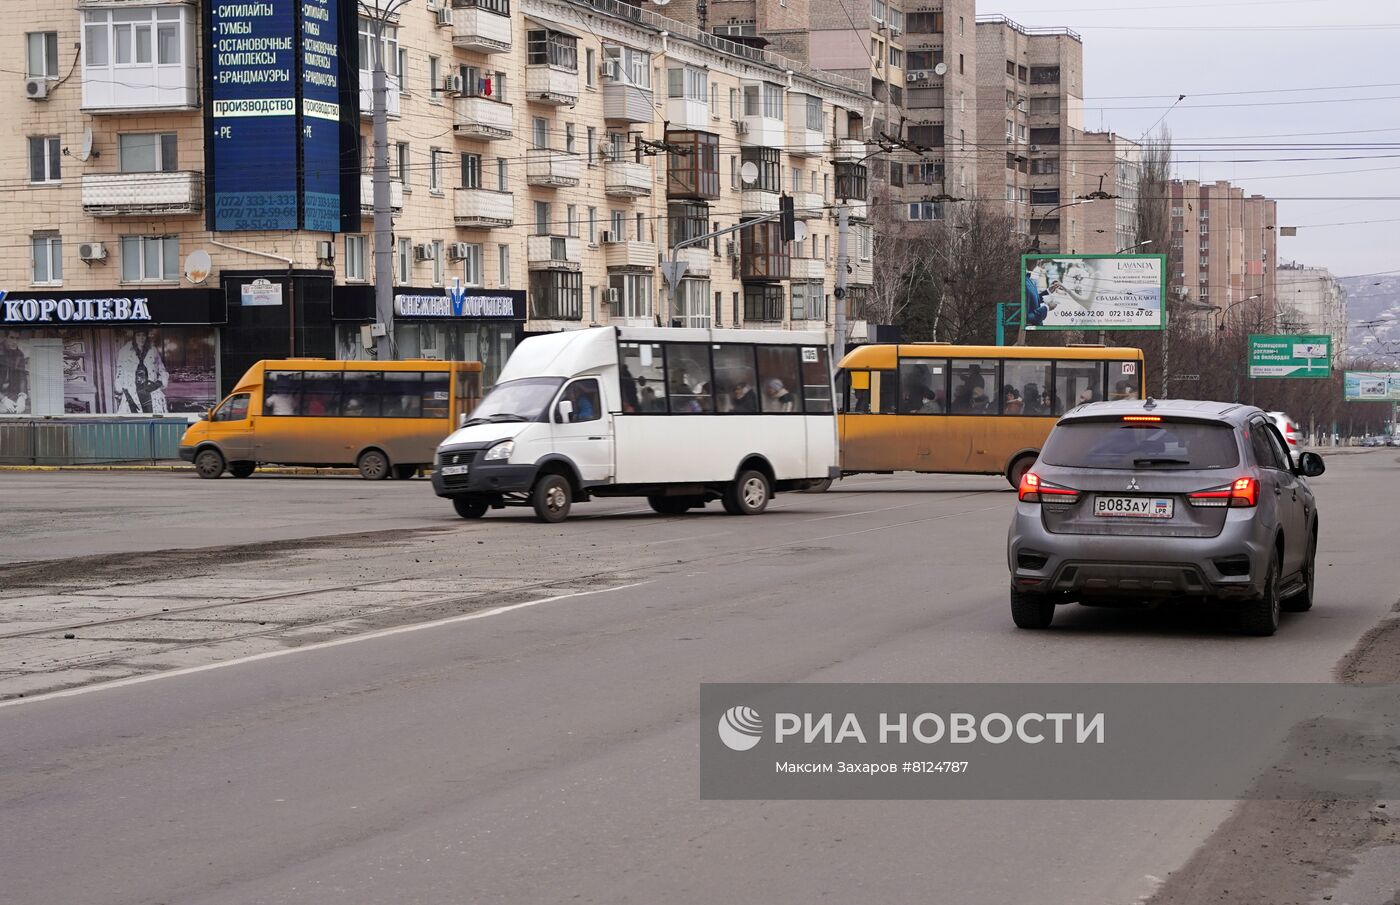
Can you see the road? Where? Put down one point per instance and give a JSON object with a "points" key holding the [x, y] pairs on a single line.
{"points": [[546, 751]]}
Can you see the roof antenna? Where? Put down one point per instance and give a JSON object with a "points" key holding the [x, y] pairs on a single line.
{"points": [[1150, 403]]}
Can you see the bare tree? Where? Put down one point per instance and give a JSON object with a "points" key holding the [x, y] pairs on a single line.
{"points": [[902, 263]]}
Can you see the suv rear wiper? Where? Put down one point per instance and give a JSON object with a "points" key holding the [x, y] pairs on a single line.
{"points": [[1140, 463]]}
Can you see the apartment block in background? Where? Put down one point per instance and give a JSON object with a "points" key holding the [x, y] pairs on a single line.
{"points": [[1225, 247], [1311, 300], [1109, 162]]}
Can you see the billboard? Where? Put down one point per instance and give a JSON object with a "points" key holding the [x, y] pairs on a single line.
{"points": [[1290, 356], [319, 59], [1371, 386], [1093, 292]]}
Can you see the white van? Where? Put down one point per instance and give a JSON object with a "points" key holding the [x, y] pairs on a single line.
{"points": [[680, 416]]}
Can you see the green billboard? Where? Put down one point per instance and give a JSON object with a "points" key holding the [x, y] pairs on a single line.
{"points": [[1290, 356]]}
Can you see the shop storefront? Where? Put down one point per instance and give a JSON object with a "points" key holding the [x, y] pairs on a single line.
{"points": [[119, 352], [449, 324]]}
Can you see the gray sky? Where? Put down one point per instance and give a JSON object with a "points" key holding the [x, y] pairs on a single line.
{"points": [[1200, 48]]}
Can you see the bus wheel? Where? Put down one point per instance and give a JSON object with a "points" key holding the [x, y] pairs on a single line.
{"points": [[1018, 470], [404, 472], [552, 498], [748, 495], [242, 469], [373, 465], [469, 507], [209, 463]]}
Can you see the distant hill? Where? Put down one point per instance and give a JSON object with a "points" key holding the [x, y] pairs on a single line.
{"points": [[1373, 308]]}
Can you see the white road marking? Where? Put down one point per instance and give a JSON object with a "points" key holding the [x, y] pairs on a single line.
{"points": [[321, 645]]}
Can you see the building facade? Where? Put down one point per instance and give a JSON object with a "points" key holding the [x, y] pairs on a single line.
{"points": [[1225, 248], [1312, 301], [545, 156], [1110, 163]]}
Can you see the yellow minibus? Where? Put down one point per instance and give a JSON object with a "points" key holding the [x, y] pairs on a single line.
{"points": [[381, 417], [936, 407]]}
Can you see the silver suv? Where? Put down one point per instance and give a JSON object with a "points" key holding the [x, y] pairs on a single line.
{"points": [[1136, 500]]}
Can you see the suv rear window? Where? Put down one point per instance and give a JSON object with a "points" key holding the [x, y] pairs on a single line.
{"points": [[1115, 444]]}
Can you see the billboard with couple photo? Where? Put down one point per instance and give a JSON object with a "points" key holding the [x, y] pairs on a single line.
{"points": [[1093, 292]]}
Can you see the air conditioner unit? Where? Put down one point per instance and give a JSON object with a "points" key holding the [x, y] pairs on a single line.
{"points": [[730, 249], [444, 16], [1035, 147], [452, 85], [923, 76], [607, 237], [423, 252], [613, 295], [611, 69], [895, 31], [92, 251], [36, 89], [325, 251], [741, 127], [911, 76], [460, 251]]}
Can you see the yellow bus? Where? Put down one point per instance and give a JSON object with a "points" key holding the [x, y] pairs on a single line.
{"points": [[937, 407], [381, 417]]}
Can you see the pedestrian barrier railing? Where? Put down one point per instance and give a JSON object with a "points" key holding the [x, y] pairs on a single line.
{"points": [[90, 441]]}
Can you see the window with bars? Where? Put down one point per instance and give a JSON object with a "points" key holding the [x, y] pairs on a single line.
{"points": [[556, 294]]}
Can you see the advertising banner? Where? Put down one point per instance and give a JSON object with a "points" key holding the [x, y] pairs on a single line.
{"points": [[1290, 356], [1093, 292], [319, 59], [1371, 386]]}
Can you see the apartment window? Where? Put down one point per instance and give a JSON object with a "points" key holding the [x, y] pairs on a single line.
{"points": [[896, 57], [41, 55], [816, 120], [1045, 136], [1021, 72], [395, 60], [1021, 132], [472, 274], [926, 210], [617, 230], [147, 153], [770, 171], [542, 218], [590, 74], [896, 19], [556, 295], [927, 136], [1010, 130], [150, 259], [45, 159], [502, 174], [145, 36], [503, 265], [642, 227], [404, 260], [1045, 75], [434, 80], [1010, 192], [569, 138], [961, 23], [1045, 166], [763, 99], [687, 221], [633, 294], [1045, 106], [686, 82], [571, 217], [1045, 196], [733, 103], [592, 226], [471, 171], [1011, 68], [552, 48], [591, 139], [961, 69], [925, 23], [437, 262], [877, 10], [626, 65], [763, 302], [435, 171], [763, 253], [692, 170], [401, 164], [808, 301], [540, 132], [47, 258], [402, 62], [355, 258], [714, 101]]}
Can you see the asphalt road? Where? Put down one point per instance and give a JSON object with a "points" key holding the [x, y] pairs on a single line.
{"points": [[548, 752]]}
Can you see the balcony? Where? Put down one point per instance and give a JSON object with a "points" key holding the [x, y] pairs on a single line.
{"points": [[626, 103], [555, 169], [808, 205], [626, 179], [553, 252], [808, 269], [483, 208], [848, 149], [858, 210], [756, 201], [697, 261], [763, 132], [545, 84], [804, 142], [367, 194], [391, 96], [624, 254], [169, 78], [687, 113], [482, 118], [862, 273], [479, 29], [142, 194]]}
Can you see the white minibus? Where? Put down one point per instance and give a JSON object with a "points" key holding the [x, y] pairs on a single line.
{"points": [[682, 417]]}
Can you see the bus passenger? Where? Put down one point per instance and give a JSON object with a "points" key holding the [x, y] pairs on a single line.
{"points": [[1011, 403], [744, 399], [778, 398]]}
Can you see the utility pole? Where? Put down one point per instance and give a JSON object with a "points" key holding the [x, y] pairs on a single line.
{"points": [[379, 13], [843, 257]]}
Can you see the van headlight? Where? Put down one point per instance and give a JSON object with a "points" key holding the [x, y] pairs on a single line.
{"points": [[500, 451]]}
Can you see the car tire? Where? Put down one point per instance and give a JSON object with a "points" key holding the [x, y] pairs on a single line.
{"points": [[373, 465], [1260, 616], [675, 505], [821, 486], [405, 472], [552, 497], [209, 463], [242, 469], [748, 494], [470, 507], [1032, 611], [1018, 470], [1302, 601]]}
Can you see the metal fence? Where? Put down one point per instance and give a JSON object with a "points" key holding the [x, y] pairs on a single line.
{"points": [[89, 441]]}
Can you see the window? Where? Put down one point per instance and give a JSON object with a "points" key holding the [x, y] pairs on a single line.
{"points": [[871, 392], [1045, 166], [150, 259], [437, 262], [501, 174], [627, 66], [570, 144], [809, 299], [1076, 382], [896, 57], [47, 258], [591, 139], [1124, 380], [552, 48], [434, 80], [404, 261], [148, 36], [147, 153], [961, 69], [693, 304], [764, 256], [1115, 445], [925, 23], [435, 171], [388, 47], [763, 302], [685, 82], [1045, 196], [235, 408], [472, 272], [1045, 75], [401, 57], [923, 386], [973, 387], [735, 378], [471, 171], [925, 59], [643, 378], [571, 219], [1045, 137], [401, 163], [45, 159], [927, 136], [402, 394], [769, 163], [585, 399], [689, 379], [687, 221], [590, 74], [540, 132], [556, 294], [926, 210], [41, 55], [1045, 106], [1020, 73], [763, 99], [1010, 130], [592, 226], [692, 167], [925, 173], [355, 258], [503, 265], [1025, 385], [779, 380]]}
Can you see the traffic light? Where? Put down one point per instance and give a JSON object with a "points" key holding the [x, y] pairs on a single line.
{"points": [[787, 218]]}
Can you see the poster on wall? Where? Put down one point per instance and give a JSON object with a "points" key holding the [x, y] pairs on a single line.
{"points": [[1093, 292], [122, 371]]}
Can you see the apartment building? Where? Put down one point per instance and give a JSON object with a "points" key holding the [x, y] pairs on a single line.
{"points": [[1030, 128], [1311, 301], [1225, 247], [1110, 163], [544, 156]]}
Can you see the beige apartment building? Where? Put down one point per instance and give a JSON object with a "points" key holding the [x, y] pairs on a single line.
{"points": [[545, 155], [1311, 301], [1030, 128], [1108, 162], [1225, 245]]}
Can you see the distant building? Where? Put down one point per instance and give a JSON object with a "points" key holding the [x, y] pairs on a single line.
{"points": [[1109, 162], [1311, 300], [1225, 252]]}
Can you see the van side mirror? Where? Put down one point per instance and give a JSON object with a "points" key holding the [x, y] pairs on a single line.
{"points": [[462, 420], [208, 415], [565, 408], [1310, 465]]}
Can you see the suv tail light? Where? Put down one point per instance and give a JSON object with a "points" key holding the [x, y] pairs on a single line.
{"points": [[1241, 493], [1034, 490]]}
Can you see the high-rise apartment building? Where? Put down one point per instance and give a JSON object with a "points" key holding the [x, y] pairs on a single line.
{"points": [[1030, 127], [1108, 162], [203, 176], [1311, 300], [1225, 248]]}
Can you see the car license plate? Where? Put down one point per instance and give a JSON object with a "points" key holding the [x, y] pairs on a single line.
{"points": [[448, 470], [1133, 506]]}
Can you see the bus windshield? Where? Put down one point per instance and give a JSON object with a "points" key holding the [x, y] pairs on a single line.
{"points": [[516, 400]]}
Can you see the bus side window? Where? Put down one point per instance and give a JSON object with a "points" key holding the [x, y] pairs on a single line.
{"points": [[887, 384], [234, 409], [436, 401], [857, 392], [1124, 380], [361, 394]]}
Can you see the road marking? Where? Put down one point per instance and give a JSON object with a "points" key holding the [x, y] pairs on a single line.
{"points": [[320, 645]]}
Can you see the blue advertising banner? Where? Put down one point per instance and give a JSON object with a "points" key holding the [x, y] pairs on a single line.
{"points": [[320, 115], [251, 59]]}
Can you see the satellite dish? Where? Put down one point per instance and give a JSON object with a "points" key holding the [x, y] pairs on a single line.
{"points": [[940, 69], [749, 173], [197, 266], [799, 231], [86, 151], [660, 2]]}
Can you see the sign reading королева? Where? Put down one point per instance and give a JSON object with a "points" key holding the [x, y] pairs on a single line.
{"points": [[1290, 356]]}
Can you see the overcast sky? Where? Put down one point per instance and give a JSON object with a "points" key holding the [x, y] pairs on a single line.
{"points": [[1287, 48]]}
